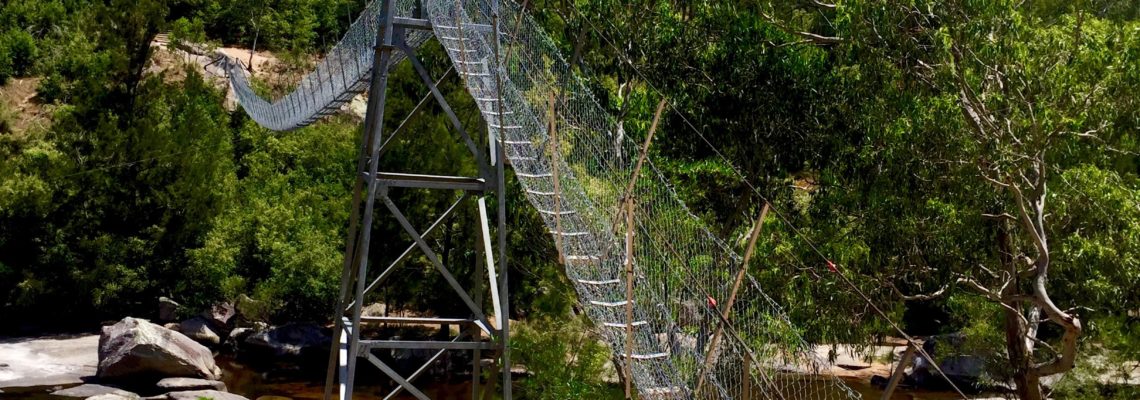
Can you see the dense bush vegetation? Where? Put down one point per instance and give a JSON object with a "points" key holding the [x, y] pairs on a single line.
{"points": [[858, 121]]}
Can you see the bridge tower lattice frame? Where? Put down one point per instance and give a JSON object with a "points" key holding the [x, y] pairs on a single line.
{"points": [[372, 186]]}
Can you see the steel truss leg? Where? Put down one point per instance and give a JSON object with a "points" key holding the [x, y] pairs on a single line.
{"points": [[347, 348]]}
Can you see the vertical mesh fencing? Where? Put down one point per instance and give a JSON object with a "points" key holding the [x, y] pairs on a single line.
{"points": [[576, 179], [344, 72]]}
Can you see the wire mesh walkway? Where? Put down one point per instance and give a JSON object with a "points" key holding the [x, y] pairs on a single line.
{"points": [[576, 183]]}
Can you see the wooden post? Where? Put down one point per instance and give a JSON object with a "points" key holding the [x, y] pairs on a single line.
{"points": [[627, 209], [900, 370], [746, 380], [555, 155], [710, 357], [629, 296]]}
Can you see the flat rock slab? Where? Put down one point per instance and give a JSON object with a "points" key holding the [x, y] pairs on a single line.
{"points": [[47, 361], [112, 396], [203, 394], [186, 384], [92, 390]]}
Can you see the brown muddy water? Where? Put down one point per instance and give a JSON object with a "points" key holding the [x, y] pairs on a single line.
{"points": [[284, 381]]}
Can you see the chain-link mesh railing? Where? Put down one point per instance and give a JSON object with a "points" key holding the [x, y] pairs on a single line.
{"points": [[344, 72], [577, 184]]}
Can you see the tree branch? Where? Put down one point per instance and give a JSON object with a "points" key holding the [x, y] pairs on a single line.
{"points": [[811, 37], [920, 297]]}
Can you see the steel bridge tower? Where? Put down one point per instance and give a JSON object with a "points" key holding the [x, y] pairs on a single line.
{"points": [[478, 334]]}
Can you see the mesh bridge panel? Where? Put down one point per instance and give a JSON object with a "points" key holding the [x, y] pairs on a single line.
{"points": [[679, 263]]}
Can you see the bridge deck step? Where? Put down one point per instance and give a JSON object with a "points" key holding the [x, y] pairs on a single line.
{"points": [[582, 233], [596, 283], [667, 392], [525, 175], [622, 325], [552, 212], [584, 258], [653, 356], [609, 303]]}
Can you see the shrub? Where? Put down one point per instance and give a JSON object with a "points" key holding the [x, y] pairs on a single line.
{"points": [[17, 54], [565, 360]]}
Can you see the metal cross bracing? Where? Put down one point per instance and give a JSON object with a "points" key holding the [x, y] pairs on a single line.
{"points": [[642, 264], [374, 186]]}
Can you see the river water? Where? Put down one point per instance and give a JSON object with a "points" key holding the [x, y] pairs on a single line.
{"points": [[304, 379], [291, 382]]}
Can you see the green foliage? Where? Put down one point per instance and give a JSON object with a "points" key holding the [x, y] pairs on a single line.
{"points": [[183, 30], [17, 53], [297, 26], [146, 187], [104, 232], [565, 361], [281, 238]]}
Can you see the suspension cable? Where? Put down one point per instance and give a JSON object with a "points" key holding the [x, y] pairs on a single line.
{"points": [[831, 265]]}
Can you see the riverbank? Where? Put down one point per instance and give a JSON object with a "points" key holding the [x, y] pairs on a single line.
{"points": [[33, 367]]}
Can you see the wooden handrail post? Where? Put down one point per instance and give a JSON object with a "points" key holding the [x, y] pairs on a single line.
{"points": [[710, 357], [627, 208], [555, 155], [900, 370], [629, 297], [746, 380]]}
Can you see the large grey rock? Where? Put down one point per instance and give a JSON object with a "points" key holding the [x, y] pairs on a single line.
{"points": [[113, 396], [135, 348], [962, 367], [203, 394], [219, 314], [240, 334], [290, 340], [201, 330], [184, 384], [91, 390], [167, 309]]}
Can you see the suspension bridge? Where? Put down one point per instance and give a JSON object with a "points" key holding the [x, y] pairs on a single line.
{"points": [[676, 305]]}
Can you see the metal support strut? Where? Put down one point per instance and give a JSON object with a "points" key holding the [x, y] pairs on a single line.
{"points": [[349, 345]]}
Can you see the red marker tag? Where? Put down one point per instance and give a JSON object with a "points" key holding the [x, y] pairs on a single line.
{"points": [[831, 266]]}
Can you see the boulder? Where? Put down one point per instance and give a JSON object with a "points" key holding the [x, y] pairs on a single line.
{"points": [[219, 314], [203, 394], [374, 310], [136, 348], [201, 330], [238, 335], [185, 384], [290, 340], [91, 390], [251, 310], [965, 369], [167, 309], [112, 396]]}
